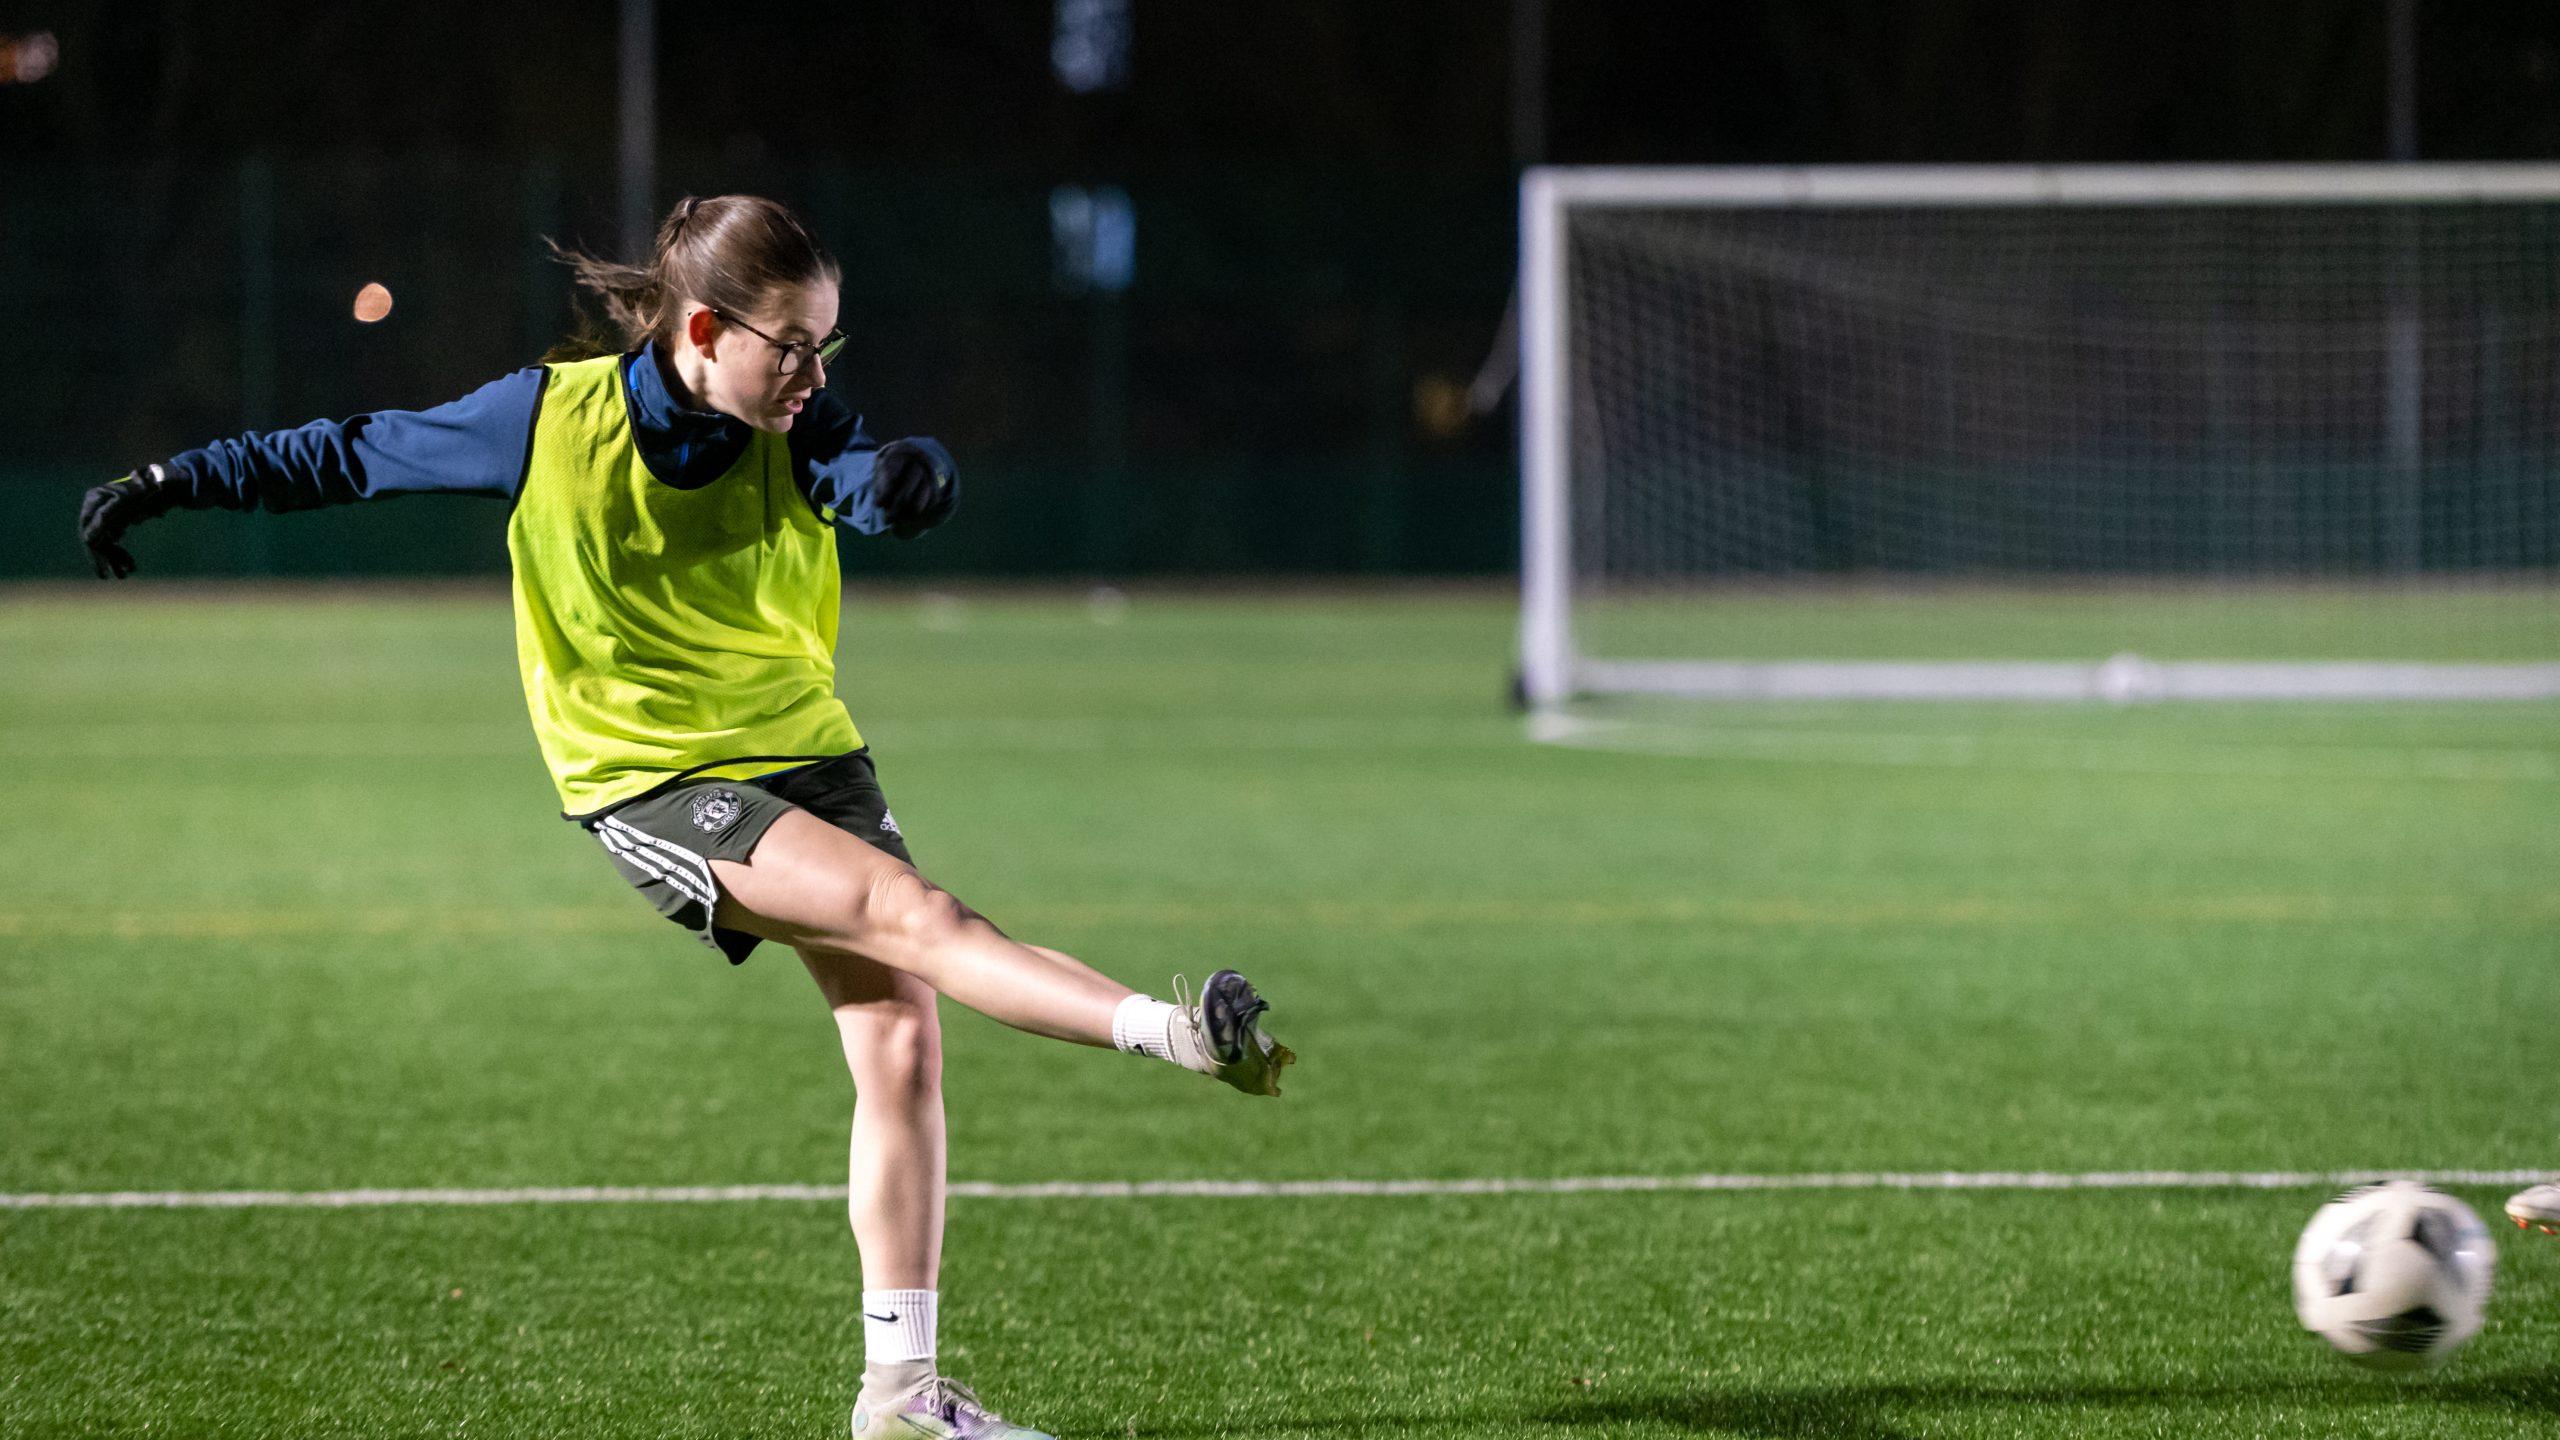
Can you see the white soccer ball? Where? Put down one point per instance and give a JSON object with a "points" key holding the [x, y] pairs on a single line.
{"points": [[2396, 1276]]}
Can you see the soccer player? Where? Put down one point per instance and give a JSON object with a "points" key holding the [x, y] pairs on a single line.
{"points": [[672, 532]]}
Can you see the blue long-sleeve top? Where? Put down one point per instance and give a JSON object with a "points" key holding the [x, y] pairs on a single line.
{"points": [[481, 444]]}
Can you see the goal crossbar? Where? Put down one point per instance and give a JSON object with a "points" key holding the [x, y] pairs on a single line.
{"points": [[1958, 185]]}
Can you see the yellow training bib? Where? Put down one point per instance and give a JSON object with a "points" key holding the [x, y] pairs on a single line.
{"points": [[662, 630]]}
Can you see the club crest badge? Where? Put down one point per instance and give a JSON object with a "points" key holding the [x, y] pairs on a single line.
{"points": [[716, 810]]}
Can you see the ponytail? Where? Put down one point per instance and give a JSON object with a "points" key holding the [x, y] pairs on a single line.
{"points": [[730, 252]]}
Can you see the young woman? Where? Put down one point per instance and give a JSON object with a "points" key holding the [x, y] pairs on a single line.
{"points": [[676, 594]]}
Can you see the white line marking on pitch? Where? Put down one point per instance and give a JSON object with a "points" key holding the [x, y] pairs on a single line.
{"points": [[1263, 1189], [1958, 751]]}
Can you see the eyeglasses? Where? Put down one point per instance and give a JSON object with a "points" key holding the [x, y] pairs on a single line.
{"points": [[796, 354]]}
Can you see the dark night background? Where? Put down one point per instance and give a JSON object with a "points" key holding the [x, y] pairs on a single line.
{"points": [[1324, 196]]}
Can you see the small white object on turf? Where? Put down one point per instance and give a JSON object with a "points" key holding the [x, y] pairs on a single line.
{"points": [[2537, 1208]]}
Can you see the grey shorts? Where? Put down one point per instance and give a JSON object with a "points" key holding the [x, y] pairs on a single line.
{"points": [[664, 842]]}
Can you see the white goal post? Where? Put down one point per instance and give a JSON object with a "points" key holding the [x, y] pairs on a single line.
{"points": [[2041, 433]]}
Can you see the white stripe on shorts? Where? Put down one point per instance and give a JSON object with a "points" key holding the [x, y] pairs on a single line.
{"points": [[676, 880], [669, 849], [682, 882]]}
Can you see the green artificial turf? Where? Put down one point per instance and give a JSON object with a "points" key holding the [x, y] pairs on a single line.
{"points": [[289, 908], [2495, 618]]}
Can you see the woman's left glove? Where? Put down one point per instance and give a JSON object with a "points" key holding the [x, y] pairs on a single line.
{"points": [[109, 510], [915, 484]]}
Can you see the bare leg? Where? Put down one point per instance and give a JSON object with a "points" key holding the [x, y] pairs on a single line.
{"points": [[813, 887], [893, 1045], [1066, 961]]}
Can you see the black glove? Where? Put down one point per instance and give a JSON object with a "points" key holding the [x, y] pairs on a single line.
{"points": [[915, 485], [109, 510]]}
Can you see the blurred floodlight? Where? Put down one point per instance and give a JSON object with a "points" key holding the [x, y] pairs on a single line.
{"points": [[373, 302], [1093, 235], [26, 59], [1091, 48]]}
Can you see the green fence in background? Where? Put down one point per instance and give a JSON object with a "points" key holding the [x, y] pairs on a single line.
{"points": [[1276, 389], [1433, 516]]}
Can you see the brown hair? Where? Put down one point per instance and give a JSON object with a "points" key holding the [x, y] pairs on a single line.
{"points": [[731, 252]]}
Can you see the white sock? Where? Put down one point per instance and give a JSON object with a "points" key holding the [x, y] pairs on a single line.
{"points": [[1143, 1026], [897, 1340]]}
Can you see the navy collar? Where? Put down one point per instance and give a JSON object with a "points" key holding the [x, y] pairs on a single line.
{"points": [[684, 447]]}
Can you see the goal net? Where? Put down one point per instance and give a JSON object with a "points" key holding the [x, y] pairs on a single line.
{"points": [[2117, 433]]}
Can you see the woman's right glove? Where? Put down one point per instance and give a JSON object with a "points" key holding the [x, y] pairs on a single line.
{"points": [[109, 510]]}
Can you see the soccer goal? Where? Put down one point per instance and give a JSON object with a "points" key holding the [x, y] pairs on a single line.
{"points": [[2041, 433]]}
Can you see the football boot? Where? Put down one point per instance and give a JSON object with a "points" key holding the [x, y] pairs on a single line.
{"points": [[1220, 1034]]}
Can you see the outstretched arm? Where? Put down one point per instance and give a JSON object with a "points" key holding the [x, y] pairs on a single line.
{"points": [[472, 446], [905, 487]]}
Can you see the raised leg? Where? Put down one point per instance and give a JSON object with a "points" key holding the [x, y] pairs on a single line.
{"points": [[814, 887]]}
